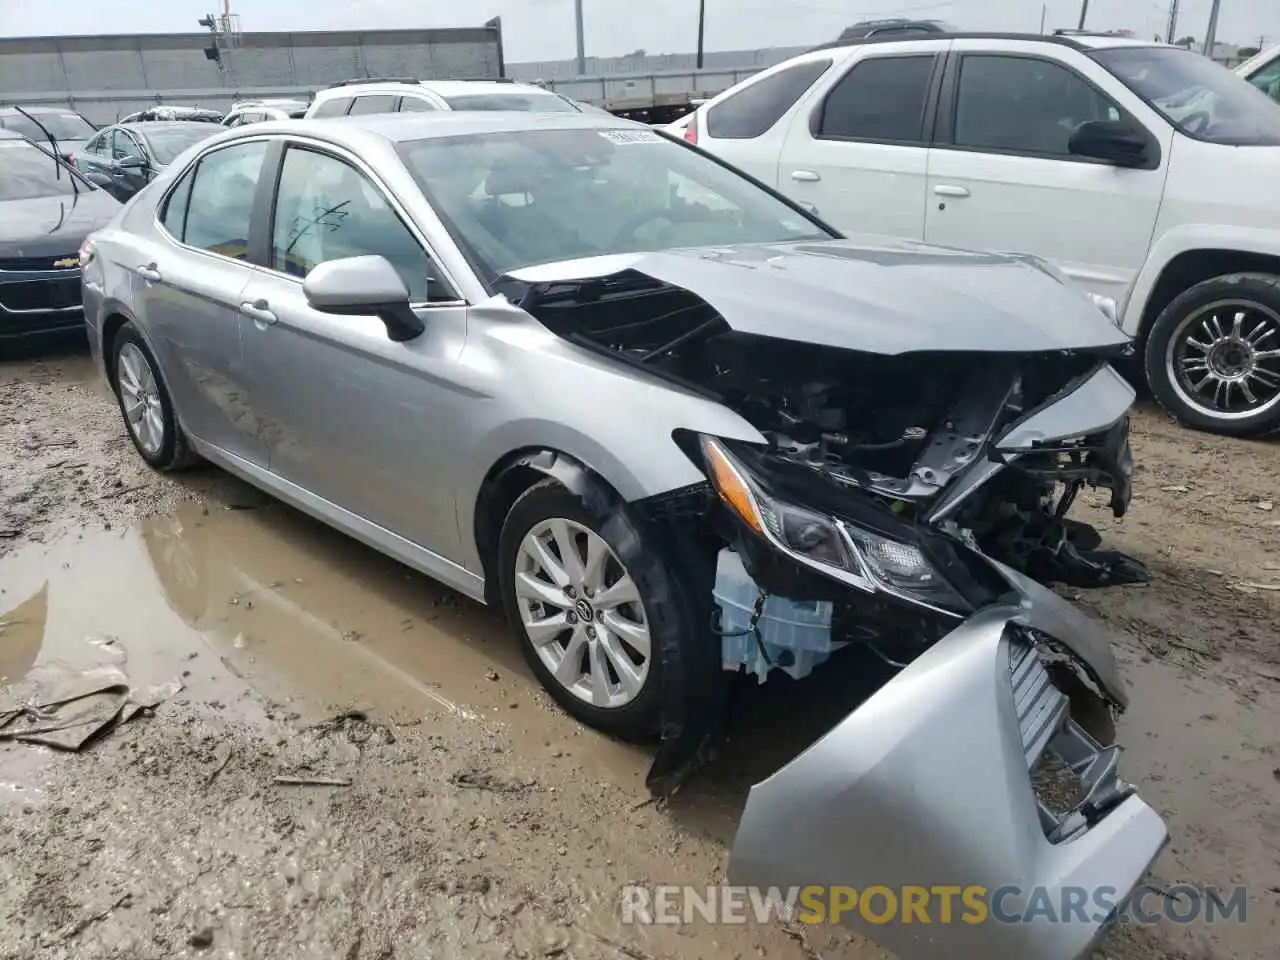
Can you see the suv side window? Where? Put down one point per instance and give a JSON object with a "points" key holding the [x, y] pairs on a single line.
{"points": [[220, 208], [881, 99], [754, 109], [337, 107], [374, 103], [1023, 105], [327, 210], [411, 104], [125, 146], [1267, 79]]}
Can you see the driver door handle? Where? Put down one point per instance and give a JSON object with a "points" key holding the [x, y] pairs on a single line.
{"points": [[946, 190], [259, 310], [805, 176], [149, 273]]}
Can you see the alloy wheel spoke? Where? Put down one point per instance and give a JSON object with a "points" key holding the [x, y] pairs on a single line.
{"points": [[597, 560], [531, 588], [569, 669], [548, 562], [634, 635], [599, 675], [567, 544], [547, 629], [629, 675], [133, 410], [620, 592]]}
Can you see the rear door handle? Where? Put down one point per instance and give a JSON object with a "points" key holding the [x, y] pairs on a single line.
{"points": [[805, 176], [259, 310], [946, 190], [149, 273]]}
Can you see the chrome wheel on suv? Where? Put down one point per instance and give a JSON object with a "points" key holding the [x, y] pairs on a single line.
{"points": [[1213, 355]]}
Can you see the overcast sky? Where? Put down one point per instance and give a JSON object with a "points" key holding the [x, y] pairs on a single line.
{"points": [[543, 29]]}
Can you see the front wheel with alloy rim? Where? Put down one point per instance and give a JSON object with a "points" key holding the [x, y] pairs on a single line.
{"points": [[145, 403], [1213, 355], [581, 592]]}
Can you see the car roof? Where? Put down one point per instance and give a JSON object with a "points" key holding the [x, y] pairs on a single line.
{"points": [[403, 127], [7, 134], [1076, 41], [150, 126], [14, 111], [444, 88]]}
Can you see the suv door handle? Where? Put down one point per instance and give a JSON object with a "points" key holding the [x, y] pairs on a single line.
{"points": [[946, 190], [149, 273], [259, 310], [805, 176]]}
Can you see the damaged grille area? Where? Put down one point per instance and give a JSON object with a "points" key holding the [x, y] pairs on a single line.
{"points": [[1075, 779]]}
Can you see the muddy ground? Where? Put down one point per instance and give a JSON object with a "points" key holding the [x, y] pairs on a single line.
{"points": [[475, 819]]}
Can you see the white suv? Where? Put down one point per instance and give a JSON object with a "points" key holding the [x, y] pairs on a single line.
{"points": [[352, 97], [1144, 172]]}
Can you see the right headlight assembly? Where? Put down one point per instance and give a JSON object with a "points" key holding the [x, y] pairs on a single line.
{"points": [[851, 554]]}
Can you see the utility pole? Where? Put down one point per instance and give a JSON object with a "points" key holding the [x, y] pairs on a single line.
{"points": [[1044, 11], [1211, 33], [1084, 12], [582, 50], [1171, 34], [702, 28]]}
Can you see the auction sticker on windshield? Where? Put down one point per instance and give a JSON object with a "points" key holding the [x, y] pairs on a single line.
{"points": [[624, 137]]}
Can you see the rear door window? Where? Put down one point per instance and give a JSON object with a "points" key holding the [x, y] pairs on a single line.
{"points": [[753, 110], [881, 99], [337, 107], [417, 105], [374, 103], [220, 209]]}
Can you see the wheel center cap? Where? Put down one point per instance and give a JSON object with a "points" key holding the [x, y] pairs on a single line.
{"points": [[584, 611], [1232, 358]]}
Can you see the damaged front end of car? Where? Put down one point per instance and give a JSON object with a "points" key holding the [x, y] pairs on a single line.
{"points": [[911, 495]]}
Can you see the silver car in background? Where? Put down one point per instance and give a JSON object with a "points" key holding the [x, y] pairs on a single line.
{"points": [[677, 428]]}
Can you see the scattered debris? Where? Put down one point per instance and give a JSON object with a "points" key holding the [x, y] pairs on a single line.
{"points": [[311, 781], [1175, 488], [479, 780], [1260, 586], [357, 727], [491, 674], [1265, 505], [352, 636], [65, 709], [71, 931], [219, 768], [202, 938]]}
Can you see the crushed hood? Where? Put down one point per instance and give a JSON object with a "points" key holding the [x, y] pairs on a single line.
{"points": [[870, 294]]}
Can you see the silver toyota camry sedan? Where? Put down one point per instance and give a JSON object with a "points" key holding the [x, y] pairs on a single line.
{"points": [[677, 428]]}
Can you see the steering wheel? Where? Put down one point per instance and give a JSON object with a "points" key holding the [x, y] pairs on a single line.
{"points": [[1197, 122]]}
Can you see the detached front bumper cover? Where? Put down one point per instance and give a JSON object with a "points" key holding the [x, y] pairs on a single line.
{"points": [[928, 784]]}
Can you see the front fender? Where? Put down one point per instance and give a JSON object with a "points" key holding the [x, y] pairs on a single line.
{"points": [[927, 785], [1187, 239]]}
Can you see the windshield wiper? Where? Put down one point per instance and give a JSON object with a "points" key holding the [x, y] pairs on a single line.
{"points": [[53, 144]]}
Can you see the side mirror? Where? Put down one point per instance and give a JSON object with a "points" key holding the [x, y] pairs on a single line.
{"points": [[364, 286], [1111, 140], [131, 163]]}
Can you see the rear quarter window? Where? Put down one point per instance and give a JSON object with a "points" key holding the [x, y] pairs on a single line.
{"points": [[337, 107], [753, 110]]}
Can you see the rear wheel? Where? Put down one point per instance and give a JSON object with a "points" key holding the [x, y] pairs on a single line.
{"points": [[145, 403], [1213, 355], [591, 602]]}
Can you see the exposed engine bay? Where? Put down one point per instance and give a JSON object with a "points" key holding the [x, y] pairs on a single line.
{"points": [[898, 428]]}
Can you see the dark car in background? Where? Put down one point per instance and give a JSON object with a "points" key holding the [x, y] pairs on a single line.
{"points": [[47, 210], [61, 128], [131, 155]]}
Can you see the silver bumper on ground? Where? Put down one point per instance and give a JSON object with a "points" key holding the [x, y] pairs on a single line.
{"points": [[928, 785]]}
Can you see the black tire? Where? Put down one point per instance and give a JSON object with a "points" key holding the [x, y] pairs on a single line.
{"points": [[668, 617], [1175, 323], [175, 452]]}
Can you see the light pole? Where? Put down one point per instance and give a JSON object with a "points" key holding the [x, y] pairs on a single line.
{"points": [[702, 27], [1172, 34], [1084, 12], [1210, 35], [582, 50]]}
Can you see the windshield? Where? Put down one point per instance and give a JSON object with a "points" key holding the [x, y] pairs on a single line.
{"points": [[167, 142], [540, 102], [63, 126], [27, 172], [528, 197], [1199, 97]]}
